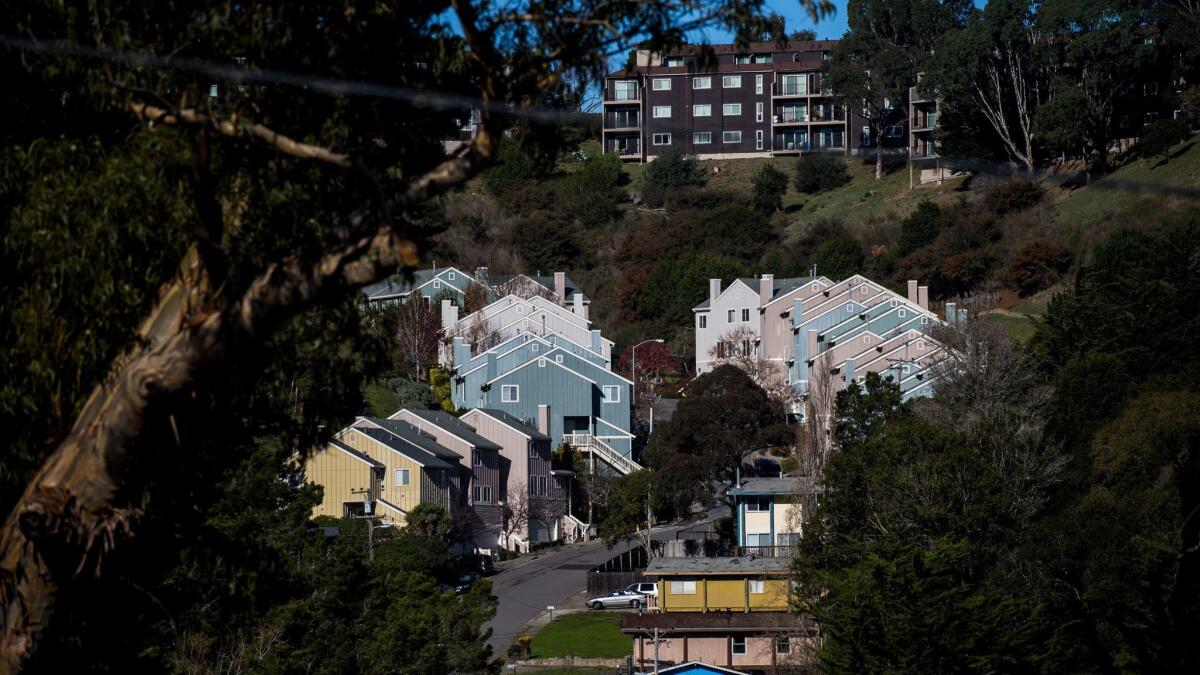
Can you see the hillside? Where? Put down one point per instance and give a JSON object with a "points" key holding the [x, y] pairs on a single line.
{"points": [[646, 265]]}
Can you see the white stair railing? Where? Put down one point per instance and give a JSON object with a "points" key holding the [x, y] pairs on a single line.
{"points": [[586, 442]]}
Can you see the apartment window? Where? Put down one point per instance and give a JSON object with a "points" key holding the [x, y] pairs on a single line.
{"points": [[731, 81], [745, 315], [662, 139], [673, 62], [662, 84], [482, 494], [794, 85], [703, 321], [757, 540], [1150, 89], [510, 393], [625, 90], [758, 503], [533, 451], [732, 316], [612, 394], [757, 586], [758, 140], [476, 459], [783, 645], [738, 645], [731, 109], [702, 137], [701, 83], [683, 587], [731, 137], [758, 111], [758, 84], [704, 110], [533, 486], [401, 477], [662, 111]]}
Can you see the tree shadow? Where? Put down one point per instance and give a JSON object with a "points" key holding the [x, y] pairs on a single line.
{"points": [[1174, 155], [793, 208]]}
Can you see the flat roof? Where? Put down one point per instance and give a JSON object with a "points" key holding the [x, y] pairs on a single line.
{"points": [[719, 566], [768, 486]]}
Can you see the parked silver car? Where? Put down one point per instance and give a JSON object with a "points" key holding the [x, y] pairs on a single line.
{"points": [[621, 598]]}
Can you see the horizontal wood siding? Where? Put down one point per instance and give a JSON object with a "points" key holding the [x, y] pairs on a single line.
{"points": [[405, 497], [339, 474]]}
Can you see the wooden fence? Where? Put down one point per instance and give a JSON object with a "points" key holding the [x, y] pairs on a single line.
{"points": [[618, 572]]}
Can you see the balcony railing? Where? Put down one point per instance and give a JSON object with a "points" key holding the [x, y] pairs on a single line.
{"points": [[621, 120], [790, 142], [835, 114], [791, 89], [622, 96], [923, 122], [789, 117]]}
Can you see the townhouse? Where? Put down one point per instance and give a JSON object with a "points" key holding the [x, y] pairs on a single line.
{"points": [[728, 612], [821, 332], [513, 315], [768, 515], [760, 100], [452, 283]]}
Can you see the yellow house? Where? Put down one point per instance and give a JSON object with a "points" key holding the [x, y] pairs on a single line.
{"points": [[726, 612], [398, 465]]}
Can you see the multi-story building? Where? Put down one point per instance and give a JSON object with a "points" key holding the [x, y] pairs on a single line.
{"points": [[769, 518], [452, 283], [924, 162], [766, 99], [729, 612]]}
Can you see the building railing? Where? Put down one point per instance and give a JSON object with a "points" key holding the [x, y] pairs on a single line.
{"points": [[926, 121], [585, 442], [621, 120], [782, 117], [616, 97], [791, 89], [923, 151], [835, 114], [624, 147], [716, 548]]}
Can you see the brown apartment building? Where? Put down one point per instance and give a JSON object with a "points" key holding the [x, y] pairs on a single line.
{"points": [[767, 99]]}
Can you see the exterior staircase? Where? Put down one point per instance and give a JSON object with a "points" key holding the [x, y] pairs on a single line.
{"points": [[585, 442]]}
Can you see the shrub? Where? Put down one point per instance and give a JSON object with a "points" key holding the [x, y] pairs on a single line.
{"points": [[591, 194], [1015, 195], [1158, 138], [769, 186], [544, 242], [839, 257], [731, 228], [819, 172], [673, 169], [1037, 266], [921, 227]]}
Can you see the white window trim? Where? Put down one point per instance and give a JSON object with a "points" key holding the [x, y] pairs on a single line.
{"points": [[757, 586], [731, 78], [698, 135], [758, 112], [616, 393], [660, 80], [734, 648], [402, 478], [758, 139], [758, 84], [726, 107], [658, 108], [516, 393], [706, 80], [705, 107], [681, 586], [731, 136], [655, 138]]}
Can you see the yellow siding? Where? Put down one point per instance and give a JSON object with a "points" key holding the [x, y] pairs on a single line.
{"points": [[680, 602], [405, 497], [724, 593], [727, 594], [339, 474], [774, 597], [787, 515]]}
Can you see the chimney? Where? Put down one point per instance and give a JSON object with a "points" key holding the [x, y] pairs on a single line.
{"points": [[481, 275], [543, 419], [766, 288], [578, 304], [951, 318], [461, 352], [848, 367], [797, 312], [491, 366], [714, 290], [812, 344], [962, 317], [560, 287], [596, 341], [449, 314], [923, 297], [912, 291]]}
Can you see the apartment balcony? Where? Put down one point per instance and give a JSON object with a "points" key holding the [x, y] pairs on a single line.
{"points": [[626, 148], [781, 90], [788, 118], [923, 151], [622, 120], [793, 143], [617, 98], [827, 116], [924, 121]]}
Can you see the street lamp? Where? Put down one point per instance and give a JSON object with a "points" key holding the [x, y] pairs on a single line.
{"points": [[633, 376]]}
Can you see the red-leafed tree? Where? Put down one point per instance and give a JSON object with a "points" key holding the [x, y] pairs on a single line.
{"points": [[654, 361]]}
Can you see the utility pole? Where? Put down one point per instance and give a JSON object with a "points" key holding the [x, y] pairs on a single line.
{"points": [[369, 516], [657, 637]]}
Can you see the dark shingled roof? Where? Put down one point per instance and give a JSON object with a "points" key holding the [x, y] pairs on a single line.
{"points": [[410, 451], [719, 566], [347, 449], [768, 486], [455, 426], [515, 423], [715, 621], [780, 287]]}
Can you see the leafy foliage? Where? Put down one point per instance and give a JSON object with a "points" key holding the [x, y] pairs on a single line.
{"points": [[770, 184], [818, 172]]}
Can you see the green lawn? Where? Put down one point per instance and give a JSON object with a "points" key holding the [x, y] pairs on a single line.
{"points": [[1017, 328], [588, 635]]}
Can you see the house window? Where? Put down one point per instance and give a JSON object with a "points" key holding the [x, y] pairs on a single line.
{"points": [[625, 90], [758, 139], [731, 316], [612, 394], [401, 477], [731, 137], [783, 645], [451, 275], [541, 363], [662, 84], [849, 308], [662, 111], [701, 83], [745, 315], [757, 540], [662, 139], [758, 503], [738, 645], [541, 480], [703, 321], [558, 358], [476, 459], [1124, 122], [533, 451], [731, 109], [437, 284], [758, 111], [687, 587], [862, 289], [731, 81], [510, 393], [920, 344], [758, 84], [534, 347], [1151, 117], [704, 110], [901, 313], [756, 586], [482, 494], [702, 137]]}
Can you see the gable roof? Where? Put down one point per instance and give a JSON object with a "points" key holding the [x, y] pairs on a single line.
{"points": [[767, 486], [511, 421], [355, 454], [552, 362], [453, 426], [416, 437], [399, 285], [395, 443]]}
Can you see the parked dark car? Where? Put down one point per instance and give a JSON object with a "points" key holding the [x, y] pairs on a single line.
{"points": [[476, 562]]}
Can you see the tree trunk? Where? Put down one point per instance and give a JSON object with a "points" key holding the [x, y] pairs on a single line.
{"points": [[878, 157]]}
